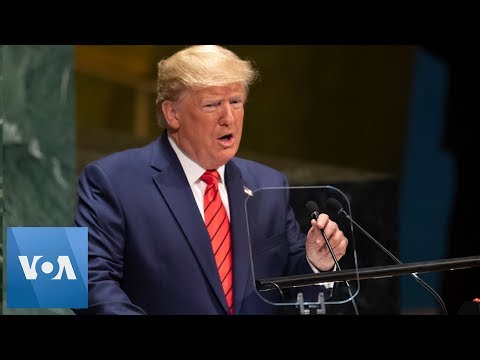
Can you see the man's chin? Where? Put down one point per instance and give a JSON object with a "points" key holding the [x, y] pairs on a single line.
{"points": [[223, 159]]}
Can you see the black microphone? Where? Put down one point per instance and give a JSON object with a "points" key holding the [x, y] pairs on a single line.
{"points": [[312, 207], [334, 207]]}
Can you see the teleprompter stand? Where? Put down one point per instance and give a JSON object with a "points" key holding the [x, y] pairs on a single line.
{"points": [[311, 308]]}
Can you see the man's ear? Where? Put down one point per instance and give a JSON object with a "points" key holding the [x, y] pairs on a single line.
{"points": [[170, 115]]}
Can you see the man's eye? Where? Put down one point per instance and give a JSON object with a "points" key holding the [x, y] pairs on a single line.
{"points": [[213, 104], [236, 103]]}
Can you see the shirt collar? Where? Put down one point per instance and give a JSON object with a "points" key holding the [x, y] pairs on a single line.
{"points": [[192, 170]]}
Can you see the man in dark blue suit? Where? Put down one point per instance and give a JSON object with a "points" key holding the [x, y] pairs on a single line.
{"points": [[150, 251]]}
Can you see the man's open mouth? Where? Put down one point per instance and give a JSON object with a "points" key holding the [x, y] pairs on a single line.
{"points": [[226, 137]]}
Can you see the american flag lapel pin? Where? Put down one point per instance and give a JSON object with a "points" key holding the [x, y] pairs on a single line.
{"points": [[247, 191]]}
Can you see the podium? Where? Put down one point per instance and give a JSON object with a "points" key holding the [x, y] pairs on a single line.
{"points": [[376, 272]]}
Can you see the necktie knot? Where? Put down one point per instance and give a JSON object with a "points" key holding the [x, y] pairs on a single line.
{"points": [[210, 177]]}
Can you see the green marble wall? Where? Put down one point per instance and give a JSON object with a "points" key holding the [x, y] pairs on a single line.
{"points": [[37, 112]]}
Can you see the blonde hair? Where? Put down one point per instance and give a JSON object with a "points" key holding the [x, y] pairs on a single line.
{"points": [[197, 67]]}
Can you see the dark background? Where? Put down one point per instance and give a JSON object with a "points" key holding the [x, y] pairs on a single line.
{"points": [[463, 285]]}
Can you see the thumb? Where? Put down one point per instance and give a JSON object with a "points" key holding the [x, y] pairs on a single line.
{"points": [[311, 232]]}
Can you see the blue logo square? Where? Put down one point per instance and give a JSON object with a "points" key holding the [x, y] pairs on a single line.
{"points": [[47, 267]]}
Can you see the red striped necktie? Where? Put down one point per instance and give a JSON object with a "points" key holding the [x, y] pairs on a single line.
{"points": [[218, 227]]}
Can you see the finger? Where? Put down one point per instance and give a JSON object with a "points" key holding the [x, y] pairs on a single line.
{"points": [[318, 237], [341, 248], [325, 253], [337, 238], [330, 228], [314, 235], [324, 248], [338, 243], [311, 235], [322, 220]]}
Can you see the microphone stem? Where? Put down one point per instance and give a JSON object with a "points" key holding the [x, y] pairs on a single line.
{"points": [[333, 255], [331, 250], [415, 276], [314, 215], [371, 237], [340, 269]]}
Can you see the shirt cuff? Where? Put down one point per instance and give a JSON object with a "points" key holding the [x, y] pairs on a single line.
{"points": [[327, 285]]}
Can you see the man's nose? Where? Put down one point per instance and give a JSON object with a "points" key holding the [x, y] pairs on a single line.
{"points": [[226, 115]]}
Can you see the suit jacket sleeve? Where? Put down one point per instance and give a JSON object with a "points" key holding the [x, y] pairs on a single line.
{"points": [[298, 263], [99, 209]]}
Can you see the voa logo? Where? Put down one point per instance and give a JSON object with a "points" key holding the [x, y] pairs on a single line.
{"points": [[47, 267], [64, 266]]}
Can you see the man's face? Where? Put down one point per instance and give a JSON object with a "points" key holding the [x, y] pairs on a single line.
{"points": [[208, 124]]}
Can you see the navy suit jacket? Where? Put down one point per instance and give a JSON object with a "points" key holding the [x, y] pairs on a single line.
{"points": [[149, 250]]}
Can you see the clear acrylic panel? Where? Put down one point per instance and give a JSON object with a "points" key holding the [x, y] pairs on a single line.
{"points": [[281, 273]]}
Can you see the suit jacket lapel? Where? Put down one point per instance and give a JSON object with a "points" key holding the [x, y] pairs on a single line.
{"points": [[173, 185], [238, 222]]}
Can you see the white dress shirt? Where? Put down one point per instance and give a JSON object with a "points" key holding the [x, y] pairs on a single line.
{"points": [[194, 172]]}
